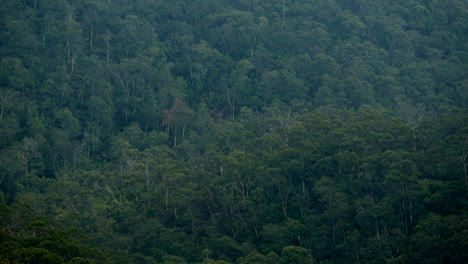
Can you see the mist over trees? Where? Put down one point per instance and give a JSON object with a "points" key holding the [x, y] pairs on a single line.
{"points": [[240, 131]]}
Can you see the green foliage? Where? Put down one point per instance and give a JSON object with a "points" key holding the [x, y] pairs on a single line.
{"points": [[233, 131], [294, 254]]}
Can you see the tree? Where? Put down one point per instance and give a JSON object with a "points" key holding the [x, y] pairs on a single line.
{"points": [[177, 119], [294, 254]]}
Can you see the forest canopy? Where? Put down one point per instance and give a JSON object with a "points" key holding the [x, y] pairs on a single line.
{"points": [[233, 131]]}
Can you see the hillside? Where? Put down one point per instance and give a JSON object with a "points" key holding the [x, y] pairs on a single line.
{"points": [[240, 131]]}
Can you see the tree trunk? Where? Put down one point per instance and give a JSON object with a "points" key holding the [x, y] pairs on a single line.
{"points": [[167, 198], [147, 178], [73, 61], [107, 52], [91, 37], [285, 207]]}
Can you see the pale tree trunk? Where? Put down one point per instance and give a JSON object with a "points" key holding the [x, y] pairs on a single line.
{"points": [[377, 231], [91, 37], [73, 61], [283, 15], [285, 207], [302, 175], [465, 168], [192, 220], [147, 178], [107, 52]]}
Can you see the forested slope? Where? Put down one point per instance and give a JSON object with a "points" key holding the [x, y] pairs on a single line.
{"points": [[242, 131]]}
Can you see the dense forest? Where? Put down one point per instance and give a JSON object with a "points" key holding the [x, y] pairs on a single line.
{"points": [[233, 131]]}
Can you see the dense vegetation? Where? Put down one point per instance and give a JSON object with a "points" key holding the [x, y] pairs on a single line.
{"points": [[233, 131]]}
